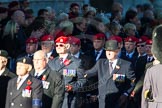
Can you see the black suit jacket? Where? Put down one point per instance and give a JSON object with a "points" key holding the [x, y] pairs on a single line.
{"points": [[15, 99], [54, 92], [4, 78]]}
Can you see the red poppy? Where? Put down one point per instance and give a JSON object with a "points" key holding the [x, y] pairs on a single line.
{"points": [[29, 82], [67, 62], [28, 87], [44, 78]]}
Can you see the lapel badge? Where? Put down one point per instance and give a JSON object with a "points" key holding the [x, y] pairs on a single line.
{"points": [[117, 67]]}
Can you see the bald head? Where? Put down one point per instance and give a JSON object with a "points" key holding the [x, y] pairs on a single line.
{"points": [[39, 60]]}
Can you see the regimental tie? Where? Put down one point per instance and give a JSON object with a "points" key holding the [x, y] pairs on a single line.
{"points": [[61, 61], [110, 67], [18, 81]]}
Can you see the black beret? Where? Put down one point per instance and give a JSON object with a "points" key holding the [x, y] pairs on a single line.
{"points": [[25, 60], [4, 53]]}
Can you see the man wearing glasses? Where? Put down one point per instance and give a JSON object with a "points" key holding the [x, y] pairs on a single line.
{"points": [[53, 85], [48, 46], [70, 68]]}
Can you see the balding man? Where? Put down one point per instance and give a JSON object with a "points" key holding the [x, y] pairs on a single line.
{"points": [[53, 85]]}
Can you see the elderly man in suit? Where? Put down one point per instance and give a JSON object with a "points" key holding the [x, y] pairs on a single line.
{"points": [[53, 85], [5, 76], [115, 77], [70, 68], [24, 91]]}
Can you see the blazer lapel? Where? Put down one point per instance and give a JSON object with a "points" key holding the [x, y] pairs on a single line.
{"points": [[19, 91], [63, 65], [117, 68]]}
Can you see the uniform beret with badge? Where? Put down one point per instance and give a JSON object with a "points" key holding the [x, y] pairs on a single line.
{"points": [[99, 36], [25, 60], [31, 40], [117, 38], [130, 39], [62, 39], [47, 38], [4, 53], [74, 40], [149, 42]]}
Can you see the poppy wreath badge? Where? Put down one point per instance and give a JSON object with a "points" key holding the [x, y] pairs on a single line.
{"points": [[67, 62], [28, 89]]}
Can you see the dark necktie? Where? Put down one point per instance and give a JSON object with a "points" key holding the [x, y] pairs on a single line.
{"points": [[110, 67], [36, 75], [18, 82], [61, 61], [128, 56], [96, 54]]}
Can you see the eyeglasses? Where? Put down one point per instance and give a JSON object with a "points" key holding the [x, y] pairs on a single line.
{"points": [[60, 45], [47, 44], [140, 45]]}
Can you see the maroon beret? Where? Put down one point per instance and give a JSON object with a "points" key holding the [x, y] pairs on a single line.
{"points": [[130, 39], [74, 40], [31, 40], [99, 36], [47, 38], [117, 38]]}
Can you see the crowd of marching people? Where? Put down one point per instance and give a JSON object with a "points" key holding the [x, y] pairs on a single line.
{"points": [[79, 59]]}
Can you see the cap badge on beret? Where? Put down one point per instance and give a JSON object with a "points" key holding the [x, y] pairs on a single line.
{"points": [[130, 39], [49, 38], [61, 40], [31, 41]]}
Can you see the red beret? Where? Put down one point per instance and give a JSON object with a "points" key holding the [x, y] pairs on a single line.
{"points": [[74, 40], [3, 10], [47, 38], [140, 40], [99, 36], [74, 4], [32, 40], [13, 4], [62, 39], [149, 42], [130, 39], [145, 38], [117, 38]]}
